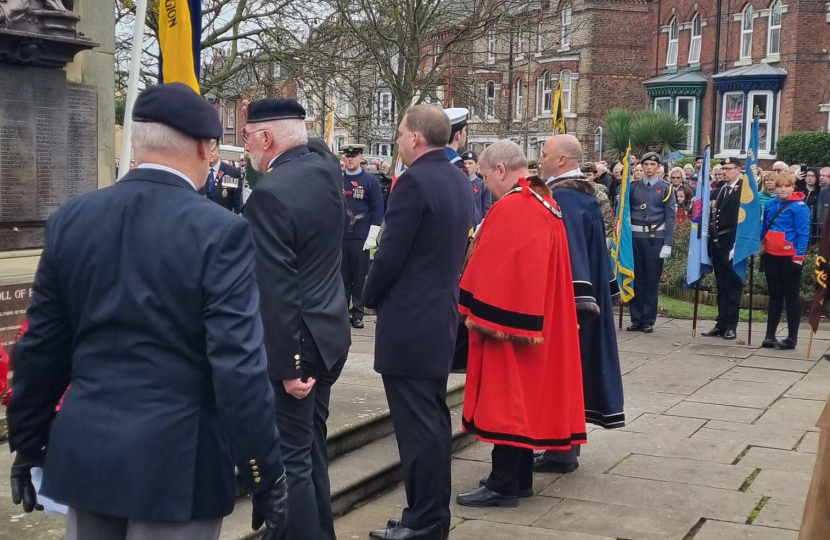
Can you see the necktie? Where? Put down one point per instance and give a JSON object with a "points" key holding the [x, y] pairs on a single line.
{"points": [[209, 185]]}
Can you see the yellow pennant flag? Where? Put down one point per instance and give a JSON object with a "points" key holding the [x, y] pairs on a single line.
{"points": [[180, 26], [330, 122], [559, 110]]}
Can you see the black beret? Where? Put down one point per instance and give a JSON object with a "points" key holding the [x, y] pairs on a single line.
{"points": [[532, 165], [265, 110], [733, 161], [178, 106], [469, 155], [651, 156]]}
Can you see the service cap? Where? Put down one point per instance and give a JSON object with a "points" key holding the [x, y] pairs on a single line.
{"points": [[457, 116], [469, 155], [733, 161], [353, 149]]}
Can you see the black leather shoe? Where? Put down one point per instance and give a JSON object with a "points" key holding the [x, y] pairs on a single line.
{"points": [[404, 533], [523, 494], [635, 327], [357, 323], [647, 329], [785, 345], [542, 464], [392, 523], [769, 343], [714, 332], [485, 498], [729, 334]]}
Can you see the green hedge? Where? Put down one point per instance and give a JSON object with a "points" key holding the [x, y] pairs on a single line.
{"points": [[674, 270], [809, 147]]}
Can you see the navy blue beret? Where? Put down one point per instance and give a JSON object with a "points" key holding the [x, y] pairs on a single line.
{"points": [[652, 156], [469, 155], [265, 110], [178, 106]]}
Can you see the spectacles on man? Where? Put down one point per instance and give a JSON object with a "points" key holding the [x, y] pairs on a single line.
{"points": [[675, 177], [246, 135]]}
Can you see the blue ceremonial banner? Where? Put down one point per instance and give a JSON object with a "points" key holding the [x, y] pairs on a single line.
{"points": [[622, 249], [699, 261], [748, 232]]}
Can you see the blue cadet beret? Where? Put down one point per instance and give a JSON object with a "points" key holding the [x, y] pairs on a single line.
{"points": [[265, 110], [733, 161], [178, 106], [469, 155], [652, 156]]}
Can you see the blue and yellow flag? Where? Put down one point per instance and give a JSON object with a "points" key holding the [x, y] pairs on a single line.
{"points": [[699, 262], [748, 231], [622, 249], [180, 37]]}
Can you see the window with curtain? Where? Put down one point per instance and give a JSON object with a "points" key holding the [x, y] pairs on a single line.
{"points": [[732, 121], [566, 90], [519, 100], [685, 110], [746, 32], [694, 45], [491, 100], [543, 94], [567, 23], [774, 32], [674, 41], [762, 101]]}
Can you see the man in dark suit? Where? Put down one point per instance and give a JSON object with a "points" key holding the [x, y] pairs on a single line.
{"points": [[297, 214], [146, 305], [224, 182], [413, 283], [723, 223]]}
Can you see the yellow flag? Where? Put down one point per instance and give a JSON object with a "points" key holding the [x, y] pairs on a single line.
{"points": [[330, 121], [559, 110], [179, 22]]}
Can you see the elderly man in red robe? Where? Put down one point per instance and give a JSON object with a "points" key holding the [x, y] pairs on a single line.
{"points": [[518, 299]]}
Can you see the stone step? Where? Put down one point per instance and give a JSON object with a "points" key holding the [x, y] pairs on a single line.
{"points": [[356, 476]]}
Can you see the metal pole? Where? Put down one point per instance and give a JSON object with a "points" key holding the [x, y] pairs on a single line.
{"points": [[132, 88], [622, 307], [694, 317], [751, 286], [810, 345]]}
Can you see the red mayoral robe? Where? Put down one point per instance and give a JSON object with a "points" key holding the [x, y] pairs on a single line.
{"points": [[524, 372]]}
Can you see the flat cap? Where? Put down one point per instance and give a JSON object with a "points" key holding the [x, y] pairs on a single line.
{"points": [[733, 161], [652, 156], [178, 106], [265, 110], [457, 116], [469, 155]]}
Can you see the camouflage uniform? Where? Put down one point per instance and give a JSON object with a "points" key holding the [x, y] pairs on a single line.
{"points": [[607, 210]]}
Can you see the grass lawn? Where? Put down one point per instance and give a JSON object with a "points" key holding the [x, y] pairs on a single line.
{"points": [[678, 309]]}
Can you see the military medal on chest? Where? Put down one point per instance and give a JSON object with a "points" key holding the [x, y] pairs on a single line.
{"points": [[358, 191]]}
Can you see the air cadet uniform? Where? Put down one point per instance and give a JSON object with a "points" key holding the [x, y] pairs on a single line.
{"points": [[482, 198], [364, 209], [653, 214]]}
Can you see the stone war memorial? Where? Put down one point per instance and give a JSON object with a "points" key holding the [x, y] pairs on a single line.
{"points": [[51, 132]]}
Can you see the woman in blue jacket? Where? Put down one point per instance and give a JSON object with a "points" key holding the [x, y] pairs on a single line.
{"points": [[785, 233]]}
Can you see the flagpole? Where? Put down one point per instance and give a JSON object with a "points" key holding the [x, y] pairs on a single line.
{"points": [[622, 307], [810, 345], [694, 317], [751, 287], [132, 88]]}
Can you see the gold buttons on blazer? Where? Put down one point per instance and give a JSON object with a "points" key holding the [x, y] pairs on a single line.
{"points": [[254, 468], [257, 480], [252, 462]]}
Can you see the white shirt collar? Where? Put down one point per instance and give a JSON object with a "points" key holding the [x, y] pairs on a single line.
{"points": [[216, 168], [158, 167], [735, 183]]}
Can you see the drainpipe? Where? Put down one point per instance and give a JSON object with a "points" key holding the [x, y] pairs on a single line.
{"points": [[715, 71]]}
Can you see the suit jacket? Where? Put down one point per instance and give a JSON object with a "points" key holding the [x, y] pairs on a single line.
{"points": [[297, 214], [145, 302], [723, 220], [227, 188], [413, 281]]}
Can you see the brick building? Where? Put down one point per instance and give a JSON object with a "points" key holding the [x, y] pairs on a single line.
{"points": [[713, 62]]}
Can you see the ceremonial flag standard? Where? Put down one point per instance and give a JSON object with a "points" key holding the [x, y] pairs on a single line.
{"points": [[748, 231], [821, 275], [330, 122], [180, 36], [559, 110], [399, 170], [699, 261], [622, 250]]}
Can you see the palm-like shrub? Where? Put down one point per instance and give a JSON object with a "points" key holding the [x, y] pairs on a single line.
{"points": [[645, 130]]}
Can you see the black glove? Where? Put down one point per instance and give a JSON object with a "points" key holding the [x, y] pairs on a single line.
{"points": [[271, 508], [21, 480]]}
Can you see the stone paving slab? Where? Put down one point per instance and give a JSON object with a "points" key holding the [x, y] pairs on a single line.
{"points": [[480, 530], [766, 376], [715, 347], [618, 521], [718, 530], [782, 438], [709, 411], [676, 374], [661, 424], [739, 393], [779, 364], [636, 492], [637, 403], [811, 387], [792, 413], [684, 471], [718, 451], [820, 347], [789, 485], [779, 460], [809, 444], [781, 514]]}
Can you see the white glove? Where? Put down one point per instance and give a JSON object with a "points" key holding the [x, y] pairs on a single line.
{"points": [[608, 243], [799, 263], [372, 239], [665, 253]]}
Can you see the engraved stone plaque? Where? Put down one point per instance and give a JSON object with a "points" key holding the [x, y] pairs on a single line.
{"points": [[48, 149]]}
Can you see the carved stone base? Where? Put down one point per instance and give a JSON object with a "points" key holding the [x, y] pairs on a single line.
{"points": [[36, 49]]}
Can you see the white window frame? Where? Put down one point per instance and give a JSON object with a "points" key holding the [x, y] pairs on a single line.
{"points": [[567, 25], [490, 100], [674, 43], [383, 111], [522, 39], [276, 71], [339, 142], [690, 122], [539, 31], [383, 149], [724, 122], [770, 122], [774, 9], [307, 101], [519, 89], [696, 42], [747, 23], [654, 106], [491, 46], [544, 92], [567, 87]]}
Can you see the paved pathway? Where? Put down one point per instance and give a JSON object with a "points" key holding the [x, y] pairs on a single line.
{"points": [[720, 445]]}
